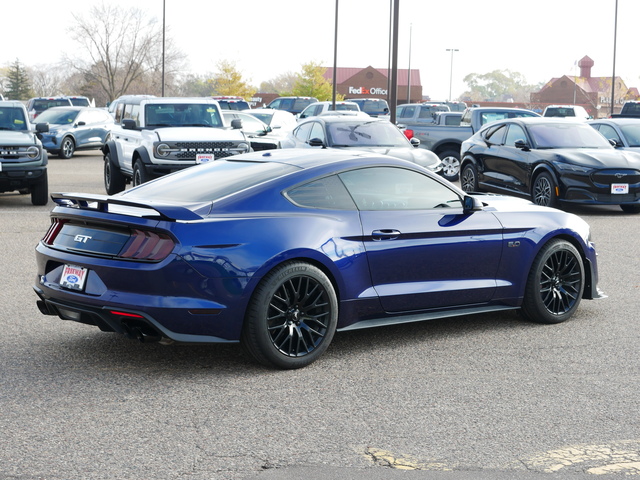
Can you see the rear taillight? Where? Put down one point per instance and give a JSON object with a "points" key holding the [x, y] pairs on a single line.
{"points": [[54, 230], [145, 245], [408, 133]]}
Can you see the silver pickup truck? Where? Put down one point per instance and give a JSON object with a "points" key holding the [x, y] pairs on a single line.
{"points": [[445, 140]]}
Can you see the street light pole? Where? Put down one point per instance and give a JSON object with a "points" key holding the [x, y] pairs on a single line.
{"points": [[409, 70], [613, 75], [451, 71]]}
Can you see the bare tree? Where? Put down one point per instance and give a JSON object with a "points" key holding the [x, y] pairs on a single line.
{"points": [[122, 46], [47, 80]]}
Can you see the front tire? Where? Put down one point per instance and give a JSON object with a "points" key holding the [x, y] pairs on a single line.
{"points": [[140, 174], [555, 284], [450, 165], [544, 191], [292, 316], [67, 148]]}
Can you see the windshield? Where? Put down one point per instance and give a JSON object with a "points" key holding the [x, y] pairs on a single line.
{"points": [[12, 118], [182, 115], [570, 135], [365, 134], [80, 102], [263, 117], [58, 117], [209, 181]]}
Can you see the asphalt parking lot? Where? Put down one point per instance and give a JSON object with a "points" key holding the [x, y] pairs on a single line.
{"points": [[488, 397]]}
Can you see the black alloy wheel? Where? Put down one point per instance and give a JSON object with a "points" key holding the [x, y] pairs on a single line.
{"points": [[292, 316], [469, 178], [544, 191], [555, 284]]}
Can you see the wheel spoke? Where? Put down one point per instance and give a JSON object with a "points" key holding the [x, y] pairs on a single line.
{"points": [[298, 316], [560, 282]]}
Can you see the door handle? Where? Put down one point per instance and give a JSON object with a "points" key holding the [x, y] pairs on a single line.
{"points": [[385, 234]]}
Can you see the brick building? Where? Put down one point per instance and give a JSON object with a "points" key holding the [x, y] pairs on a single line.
{"points": [[593, 93]]}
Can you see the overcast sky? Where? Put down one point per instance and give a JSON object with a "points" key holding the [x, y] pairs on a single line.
{"points": [[540, 39]]}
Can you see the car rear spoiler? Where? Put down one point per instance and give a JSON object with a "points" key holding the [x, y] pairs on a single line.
{"points": [[101, 203]]}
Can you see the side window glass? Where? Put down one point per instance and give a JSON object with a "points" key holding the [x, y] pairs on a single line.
{"points": [[426, 112], [514, 133], [409, 111], [276, 103], [317, 131], [119, 112], [496, 135], [302, 132], [609, 132], [327, 193], [389, 188]]}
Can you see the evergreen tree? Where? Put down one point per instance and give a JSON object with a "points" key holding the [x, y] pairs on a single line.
{"points": [[18, 84]]}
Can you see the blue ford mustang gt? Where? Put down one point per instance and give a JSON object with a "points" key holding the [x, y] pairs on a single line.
{"points": [[279, 250]]}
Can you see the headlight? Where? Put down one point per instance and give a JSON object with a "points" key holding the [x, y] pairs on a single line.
{"points": [[163, 150], [33, 152], [572, 167]]}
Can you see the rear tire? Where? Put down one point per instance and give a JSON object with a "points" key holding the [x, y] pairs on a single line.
{"points": [[450, 165], [469, 178], [114, 180], [555, 284], [291, 317], [40, 191]]}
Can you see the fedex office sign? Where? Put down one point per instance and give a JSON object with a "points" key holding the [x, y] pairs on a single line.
{"points": [[366, 91]]}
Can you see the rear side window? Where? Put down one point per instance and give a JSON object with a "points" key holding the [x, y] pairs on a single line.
{"points": [[327, 193]]}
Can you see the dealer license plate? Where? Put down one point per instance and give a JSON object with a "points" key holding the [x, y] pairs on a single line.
{"points": [[204, 158], [619, 188], [73, 277]]}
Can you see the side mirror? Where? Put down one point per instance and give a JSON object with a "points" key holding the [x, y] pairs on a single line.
{"points": [[80, 124], [316, 142], [615, 143], [236, 123], [522, 145], [415, 142], [42, 127], [471, 204], [129, 124]]}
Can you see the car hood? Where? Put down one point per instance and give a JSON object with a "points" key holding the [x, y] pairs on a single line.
{"points": [[193, 134], [18, 138], [597, 158], [420, 156]]}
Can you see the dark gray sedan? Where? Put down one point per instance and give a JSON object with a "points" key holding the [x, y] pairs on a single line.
{"points": [[623, 132]]}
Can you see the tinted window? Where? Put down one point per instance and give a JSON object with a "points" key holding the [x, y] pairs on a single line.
{"points": [[495, 135], [329, 193], [80, 102], [514, 133], [405, 112], [209, 181], [388, 188]]}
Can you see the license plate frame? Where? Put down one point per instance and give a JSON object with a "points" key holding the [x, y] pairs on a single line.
{"points": [[74, 277], [619, 188]]}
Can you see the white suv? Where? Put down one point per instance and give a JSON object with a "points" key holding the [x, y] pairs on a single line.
{"points": [[566, 111], [159, 135]]}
